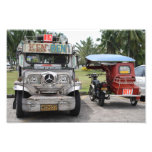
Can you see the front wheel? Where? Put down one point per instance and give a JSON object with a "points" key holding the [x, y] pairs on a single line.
{"points": [[19, 112], [76, 110], [91, 94], [133, 101]]}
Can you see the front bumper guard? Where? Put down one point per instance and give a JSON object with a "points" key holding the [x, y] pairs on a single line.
{"points": [[33, 103]]}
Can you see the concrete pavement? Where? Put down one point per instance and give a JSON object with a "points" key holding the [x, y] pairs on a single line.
{"points": [[117, 109]]}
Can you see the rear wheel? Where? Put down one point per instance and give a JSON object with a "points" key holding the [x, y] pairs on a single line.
{"points": [[101, 99], [133, 101], [76, 110], [100, 102], [91, 94], [19, 112]]}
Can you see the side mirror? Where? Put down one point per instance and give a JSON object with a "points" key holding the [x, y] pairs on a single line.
{"points": [[73, 47], [77, 60]]}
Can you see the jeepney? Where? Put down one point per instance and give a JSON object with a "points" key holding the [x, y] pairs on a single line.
{"points": [[46, 79]]}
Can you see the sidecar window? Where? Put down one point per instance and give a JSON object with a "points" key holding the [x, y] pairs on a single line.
{"points": [[124, 69]]}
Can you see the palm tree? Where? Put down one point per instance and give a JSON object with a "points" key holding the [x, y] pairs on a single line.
{"points": [[41, 32], [127, 42], [85, 48], [108, 42], [133, 44], [14, 37]]}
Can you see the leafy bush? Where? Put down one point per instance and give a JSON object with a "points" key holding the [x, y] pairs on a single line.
{"points": [[85, 69]]}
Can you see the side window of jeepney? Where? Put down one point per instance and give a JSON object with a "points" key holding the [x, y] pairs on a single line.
{"points": [[124, 69], [74, 61], [21, 58]]}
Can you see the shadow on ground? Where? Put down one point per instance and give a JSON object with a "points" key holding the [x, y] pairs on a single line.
{"points": [[59, 116]]}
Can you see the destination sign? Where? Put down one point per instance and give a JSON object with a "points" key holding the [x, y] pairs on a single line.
{"points": [[47, 48]]}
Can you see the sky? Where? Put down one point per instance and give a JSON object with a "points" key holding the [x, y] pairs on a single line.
{"points": [[77, 35]]}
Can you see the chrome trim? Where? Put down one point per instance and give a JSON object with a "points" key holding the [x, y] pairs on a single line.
{"points": [[32, 104]]}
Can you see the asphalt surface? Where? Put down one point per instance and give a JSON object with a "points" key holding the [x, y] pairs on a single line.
{"points": [[117, 109]]}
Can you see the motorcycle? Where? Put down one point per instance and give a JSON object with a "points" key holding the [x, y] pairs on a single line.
{"points": [[97, 89]]}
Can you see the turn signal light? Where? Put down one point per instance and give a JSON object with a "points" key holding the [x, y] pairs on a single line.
{"points": [[76, 79], [19, 79]]}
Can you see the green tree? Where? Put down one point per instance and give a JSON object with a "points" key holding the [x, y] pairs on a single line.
{"points": [[127, 42], [14, 37], [86, 48], [133, 44], [108, 42]]}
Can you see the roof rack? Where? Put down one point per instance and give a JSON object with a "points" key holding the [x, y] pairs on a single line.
{"points": [[39, 39]]}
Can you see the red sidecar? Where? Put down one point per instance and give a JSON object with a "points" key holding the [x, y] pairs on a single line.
{"points": [[120, 75]]}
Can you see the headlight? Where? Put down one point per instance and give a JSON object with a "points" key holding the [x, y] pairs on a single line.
{"points": [[34, 79], [62, 79]]}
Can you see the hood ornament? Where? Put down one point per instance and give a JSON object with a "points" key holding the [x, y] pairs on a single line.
{"points": [[49, 78]]}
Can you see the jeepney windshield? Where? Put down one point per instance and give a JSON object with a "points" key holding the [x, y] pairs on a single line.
{"points": [[32, 58]]}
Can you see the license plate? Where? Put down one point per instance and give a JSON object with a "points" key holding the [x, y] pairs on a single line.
{"points": [[127, 91], [104, 89], [49, 107]]}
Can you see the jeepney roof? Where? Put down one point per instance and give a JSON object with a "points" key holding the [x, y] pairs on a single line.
{"points": [[109, 58]]}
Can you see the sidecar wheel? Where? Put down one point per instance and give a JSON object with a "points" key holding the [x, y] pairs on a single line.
{"points": [[133, 101]]}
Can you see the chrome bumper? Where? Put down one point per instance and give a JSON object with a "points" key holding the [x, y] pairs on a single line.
{"points": [[33, 103], [142, 91]]}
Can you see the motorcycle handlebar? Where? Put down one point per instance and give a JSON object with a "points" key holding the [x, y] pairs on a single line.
{"points": [[93, 74]]}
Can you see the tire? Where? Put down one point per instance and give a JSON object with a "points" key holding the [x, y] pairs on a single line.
{"points": [[19, 112], [92, 97], [142, 98], [14, 103], [76, 110], [100, 102], [133, 101], [101, 99]]}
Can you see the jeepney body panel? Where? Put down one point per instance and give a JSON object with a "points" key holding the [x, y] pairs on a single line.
{"points": [[46, 83]]}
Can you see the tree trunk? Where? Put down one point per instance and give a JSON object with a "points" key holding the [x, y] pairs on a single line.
{"points": [[128, 43]]}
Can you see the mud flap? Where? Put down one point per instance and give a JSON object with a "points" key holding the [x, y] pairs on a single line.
{"points": [[14, 102]]}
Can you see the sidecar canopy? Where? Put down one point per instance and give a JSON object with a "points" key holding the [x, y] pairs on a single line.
{"points": [[108, 58]]}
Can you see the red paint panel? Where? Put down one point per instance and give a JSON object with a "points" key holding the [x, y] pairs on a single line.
{"points": [[48, 37], [46, 65]]}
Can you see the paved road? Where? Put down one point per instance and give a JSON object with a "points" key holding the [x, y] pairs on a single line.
{"points": [[117, 109]]}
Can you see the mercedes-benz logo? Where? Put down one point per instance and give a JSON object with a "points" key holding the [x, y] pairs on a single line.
{"points": [[49, 78]]}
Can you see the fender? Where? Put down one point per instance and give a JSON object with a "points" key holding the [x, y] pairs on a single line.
{"points": [[92, 85], [20, 88], [73, 89]]}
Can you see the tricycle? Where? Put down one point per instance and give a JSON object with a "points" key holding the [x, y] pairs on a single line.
{"points": [[120, 78]]}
